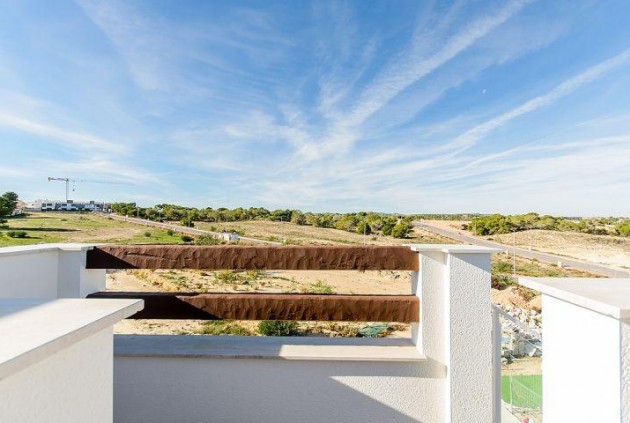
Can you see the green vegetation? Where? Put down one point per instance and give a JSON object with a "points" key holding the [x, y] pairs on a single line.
{"points": [[401, 230], [503, 224], [395, 225], [278, 328], [623, 228], [207, 240], [17, 234], [523, 391], [319, 287], [186, 238], [8, 203], [224, 327]]}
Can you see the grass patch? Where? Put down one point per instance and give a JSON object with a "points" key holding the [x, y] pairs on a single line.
{"points": [[523, 391]]}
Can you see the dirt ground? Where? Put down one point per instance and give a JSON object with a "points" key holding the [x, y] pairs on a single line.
{"points": [[297, 234], [523, 366], [604, 249], [515, 296]]}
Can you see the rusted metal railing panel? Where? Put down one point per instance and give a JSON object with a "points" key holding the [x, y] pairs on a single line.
{"points": [[252, 257], [237, 306]]}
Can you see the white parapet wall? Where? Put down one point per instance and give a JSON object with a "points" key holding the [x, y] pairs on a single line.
{"points": [[56, 359], [444, 374], [586, 334], [48, 271]]}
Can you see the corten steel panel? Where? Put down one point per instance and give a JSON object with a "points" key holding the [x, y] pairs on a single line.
{"points": [[354, 308], [246, 257]]}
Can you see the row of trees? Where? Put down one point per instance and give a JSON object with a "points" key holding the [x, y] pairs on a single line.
{"points": [[363, 222], [503, 224]]}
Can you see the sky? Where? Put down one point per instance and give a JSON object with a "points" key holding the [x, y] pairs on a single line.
{"points": [[389, 106]]}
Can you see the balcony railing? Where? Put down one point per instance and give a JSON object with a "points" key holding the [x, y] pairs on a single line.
{"points": [[259, 306], [442, 374]]}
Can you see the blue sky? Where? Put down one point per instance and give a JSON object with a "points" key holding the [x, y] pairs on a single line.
{"points": [[394, 106]]}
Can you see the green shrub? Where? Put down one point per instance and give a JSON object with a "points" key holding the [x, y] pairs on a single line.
{"points": [[187, 238], [226, 277], [206, 240], [319, 287], [187, 222], [401, 230], [147, 234], [16, 234], [623, 228], [252, 276], [278, 328], [170, 232], [224, 327], [363, 228]]}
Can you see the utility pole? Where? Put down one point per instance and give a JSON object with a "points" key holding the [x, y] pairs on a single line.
{"points": [[514, 255]]}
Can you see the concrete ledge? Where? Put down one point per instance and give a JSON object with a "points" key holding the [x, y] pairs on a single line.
{"points": [[43, 248], [610, 297], [33, 330], [454, 249], [260, 347]]}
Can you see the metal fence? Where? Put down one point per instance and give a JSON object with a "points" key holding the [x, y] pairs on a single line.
{"points": [[523, 396]]}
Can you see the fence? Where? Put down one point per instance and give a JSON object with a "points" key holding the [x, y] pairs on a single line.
{"points": [[199, 305], [523, 395]]}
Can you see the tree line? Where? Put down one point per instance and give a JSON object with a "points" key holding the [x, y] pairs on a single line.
{"points": [[397, 226], [503, 224]]}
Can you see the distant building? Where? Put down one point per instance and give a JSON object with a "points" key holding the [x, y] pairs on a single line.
{"points": [[229, 236], [70, 205]]}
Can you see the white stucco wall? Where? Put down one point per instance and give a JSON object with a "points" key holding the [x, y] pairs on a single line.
{"points": [[581, 364], [165, 390], [28, 273], [47, 271], [73, 385]]}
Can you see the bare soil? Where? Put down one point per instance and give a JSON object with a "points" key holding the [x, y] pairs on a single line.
{"points": [[604, 249], [523, 366], [514, 296], [308, 235]]}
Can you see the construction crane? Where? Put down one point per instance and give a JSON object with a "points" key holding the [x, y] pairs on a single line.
{"points": [[68, 180]]}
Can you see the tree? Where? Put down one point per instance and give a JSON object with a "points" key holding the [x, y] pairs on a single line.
{"points": [[401, 230], [364, 228], [298, 218], [8, 203], [623, 228]]}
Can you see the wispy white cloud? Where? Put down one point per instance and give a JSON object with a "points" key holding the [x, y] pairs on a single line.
{"points": [[402, 73], [477, 133], [69, 138]]}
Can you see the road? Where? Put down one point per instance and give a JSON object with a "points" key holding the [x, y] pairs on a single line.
{"points": [[183, 229], [583, 265]]}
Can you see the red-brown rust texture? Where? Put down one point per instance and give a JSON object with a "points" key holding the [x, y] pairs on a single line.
{"points": [[356, 308], [252, 258]]}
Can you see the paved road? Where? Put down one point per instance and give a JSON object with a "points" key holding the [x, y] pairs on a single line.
{"points": [[183, 229], [585, 266]]}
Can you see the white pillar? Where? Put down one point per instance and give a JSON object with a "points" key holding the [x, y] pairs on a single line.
{"points": [[74, 280], [586, 344], [455, 328], [48, 271]]}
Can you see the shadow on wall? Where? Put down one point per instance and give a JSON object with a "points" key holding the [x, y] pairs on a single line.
{"points": [[170, 389]]}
